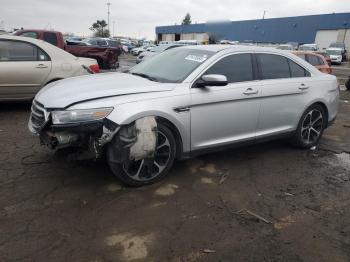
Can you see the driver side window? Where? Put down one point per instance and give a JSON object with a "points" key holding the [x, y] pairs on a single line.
{"points": [[237, 68]]}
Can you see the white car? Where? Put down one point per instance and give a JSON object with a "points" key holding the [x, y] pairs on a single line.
{"points": [[335, 55], [183, 102], [27, 64]]}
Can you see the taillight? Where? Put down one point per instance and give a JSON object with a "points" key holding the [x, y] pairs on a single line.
{"points": [[95, 68]]}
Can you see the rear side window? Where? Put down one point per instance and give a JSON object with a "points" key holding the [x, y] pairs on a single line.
{"points": [[312, 59], [296, 70], [101, 43], [50, 38], [21, 51], [237, 68], [17, 51], [273, 66]]}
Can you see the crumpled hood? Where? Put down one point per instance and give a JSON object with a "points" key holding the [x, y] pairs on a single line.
{"points": [[66, 92]]}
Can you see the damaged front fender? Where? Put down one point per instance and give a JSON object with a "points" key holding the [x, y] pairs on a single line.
{"points": [[135, 141]]}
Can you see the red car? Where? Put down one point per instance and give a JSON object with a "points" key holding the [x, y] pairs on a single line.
{"points": [[316, 60], [107, 57]]}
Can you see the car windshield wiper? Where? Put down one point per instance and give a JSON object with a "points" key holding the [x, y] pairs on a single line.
{"points": [[145, 76]]}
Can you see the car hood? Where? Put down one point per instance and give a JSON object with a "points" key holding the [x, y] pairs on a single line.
{"points": [[64, 93]]}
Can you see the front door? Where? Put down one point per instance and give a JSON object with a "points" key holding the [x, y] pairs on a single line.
{"points": [[221, 115], [24, 68]]}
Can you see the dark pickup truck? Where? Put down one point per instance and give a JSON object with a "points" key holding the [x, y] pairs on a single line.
{"points": [[107, 57]]}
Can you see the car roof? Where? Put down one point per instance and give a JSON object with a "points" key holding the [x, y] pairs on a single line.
{"points": [[234, 48], [22, 38]]}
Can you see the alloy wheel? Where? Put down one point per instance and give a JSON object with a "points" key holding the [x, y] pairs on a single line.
{"points": [[147, 169], [312, 126]]}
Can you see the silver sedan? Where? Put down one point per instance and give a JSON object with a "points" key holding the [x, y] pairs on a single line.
{"points": [[183, 102]]}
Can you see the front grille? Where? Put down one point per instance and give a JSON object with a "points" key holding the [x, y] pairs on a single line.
{"points": [[37, 116]]}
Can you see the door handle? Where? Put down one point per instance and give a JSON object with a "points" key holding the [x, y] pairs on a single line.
{"points": [[41, 66], [250, 91], [303, 87]]}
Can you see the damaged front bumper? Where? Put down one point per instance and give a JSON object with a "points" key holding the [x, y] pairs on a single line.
{"points": [[135, 141], [88, 138]]}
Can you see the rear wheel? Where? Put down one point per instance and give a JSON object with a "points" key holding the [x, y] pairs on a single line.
{"points": [[149, 171], [311, 127]]}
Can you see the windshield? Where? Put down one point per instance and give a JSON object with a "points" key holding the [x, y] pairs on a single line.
{"points": [[334, 52], [172, 66]]}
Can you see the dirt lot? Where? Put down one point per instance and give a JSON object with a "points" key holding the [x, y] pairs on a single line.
{"points": [[54, 210]]}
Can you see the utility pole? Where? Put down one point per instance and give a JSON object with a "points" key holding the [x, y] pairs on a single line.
{"points": [[113, 28], [264, 14], [108, 6]]}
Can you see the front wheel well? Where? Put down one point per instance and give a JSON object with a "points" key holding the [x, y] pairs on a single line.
{"points": [[176, 134]]}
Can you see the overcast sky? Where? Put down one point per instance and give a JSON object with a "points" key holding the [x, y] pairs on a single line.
{"points": [[138, 18]]}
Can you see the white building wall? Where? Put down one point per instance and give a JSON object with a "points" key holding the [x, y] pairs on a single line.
{"points": [[195, 36], [325, 37], [168, 37]]}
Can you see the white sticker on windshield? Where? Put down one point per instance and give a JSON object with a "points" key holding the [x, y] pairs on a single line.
{"points": [[197, 58]]}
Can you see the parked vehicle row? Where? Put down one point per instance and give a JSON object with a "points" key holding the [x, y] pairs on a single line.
{"points": [[99, 49], [27, 65], [138, 50], [183, 102]]}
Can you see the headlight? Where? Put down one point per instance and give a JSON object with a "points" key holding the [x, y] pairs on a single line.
{"points": [[84, 115]]}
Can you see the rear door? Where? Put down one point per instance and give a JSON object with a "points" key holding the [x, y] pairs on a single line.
{"points": [[24, 68], [222, 115], [284, 93]]}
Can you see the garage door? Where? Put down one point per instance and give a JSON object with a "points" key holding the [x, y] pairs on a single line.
{"points": [[325, 37]]}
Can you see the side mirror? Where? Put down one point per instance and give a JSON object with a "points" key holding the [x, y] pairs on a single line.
{"points": [[212, 80]]}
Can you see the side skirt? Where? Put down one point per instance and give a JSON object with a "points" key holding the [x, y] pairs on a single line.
{"points": [[191, 154]]}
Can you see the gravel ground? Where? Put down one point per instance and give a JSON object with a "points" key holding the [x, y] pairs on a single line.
{"points": [[267, 202]]}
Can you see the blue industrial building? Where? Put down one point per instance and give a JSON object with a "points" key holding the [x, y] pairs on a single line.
{"points": [[301, 29]]}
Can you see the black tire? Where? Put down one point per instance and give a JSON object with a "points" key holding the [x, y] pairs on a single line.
{"points": [[347, 84], [119, 169], [305, 132]]}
